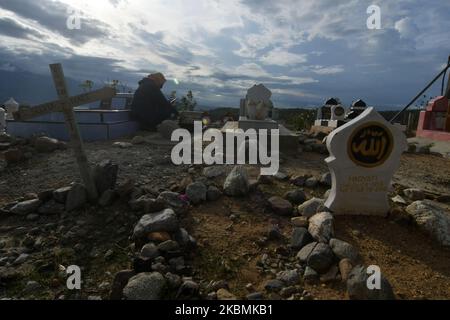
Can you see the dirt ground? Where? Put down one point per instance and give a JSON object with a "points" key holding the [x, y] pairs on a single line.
{"points": [[227, 231]]}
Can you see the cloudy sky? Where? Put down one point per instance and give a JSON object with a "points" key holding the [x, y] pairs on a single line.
{"points": [[304, 51]]}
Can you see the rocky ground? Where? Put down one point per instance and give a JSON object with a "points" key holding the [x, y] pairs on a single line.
{"points": [[165, 231]]}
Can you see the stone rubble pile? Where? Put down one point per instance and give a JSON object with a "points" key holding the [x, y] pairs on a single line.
{"points": [[16, 150]]}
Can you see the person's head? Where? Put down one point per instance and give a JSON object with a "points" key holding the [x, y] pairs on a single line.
{"points": [[158, 78]]}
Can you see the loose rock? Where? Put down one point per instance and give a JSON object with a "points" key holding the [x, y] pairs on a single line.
{"points": [[105, 176], [321, 258], [321, 227], [26, 207], [309, 208], [145, 286], [280, 206], [300, 238], [165, 220], [414, 194], [214, 172], [196, 192], [433, 218], [344, 250], [296, 197], [237, 183], [358, 290]]}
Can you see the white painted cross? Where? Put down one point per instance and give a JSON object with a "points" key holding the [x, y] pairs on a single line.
{"points": [[65, 104]]}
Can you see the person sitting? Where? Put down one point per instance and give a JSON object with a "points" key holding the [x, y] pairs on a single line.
{"points": [[150, 107]]}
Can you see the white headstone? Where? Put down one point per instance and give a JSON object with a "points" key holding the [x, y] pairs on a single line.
{"points": [[338, 112], [364, 155], [259, 93]]}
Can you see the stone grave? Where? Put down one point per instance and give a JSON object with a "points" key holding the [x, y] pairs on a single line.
{"points": [[255, 111], [329, 117], [434, 121], [364, 155], [95, 124]]}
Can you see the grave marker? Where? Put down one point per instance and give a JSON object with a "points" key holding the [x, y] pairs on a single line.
{"points": [[65, 104], [364, 154]]}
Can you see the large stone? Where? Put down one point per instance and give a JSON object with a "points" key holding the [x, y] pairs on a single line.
{"points": [[344, 250], [214, 171], [301, 222], [433, 217], [105, 175], [237, 183], [321, 258], [414, 194], [149, 251], [166, 128], [145, 286], [300, 238], [358, 290], [321, 227], [289, 277], [173, 200], [196, 192], [76, 198], [26, 207], [309, 208], [46, 144], [305, 252], [164, 221], [281, 206], [295, 196]]}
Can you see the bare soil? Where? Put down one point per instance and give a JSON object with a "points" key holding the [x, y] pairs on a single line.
{"points": [[227, 231]]}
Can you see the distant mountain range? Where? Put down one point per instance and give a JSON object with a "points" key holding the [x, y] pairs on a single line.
{"points": [[30, 88]]}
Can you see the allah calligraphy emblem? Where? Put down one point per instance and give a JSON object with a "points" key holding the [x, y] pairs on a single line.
{"points": [[370, 145]]}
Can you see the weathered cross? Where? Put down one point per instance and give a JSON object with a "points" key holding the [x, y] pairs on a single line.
{"points": [[65, 104]]}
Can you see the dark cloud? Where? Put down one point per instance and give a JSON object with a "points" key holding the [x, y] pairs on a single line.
{"points": [[53, 15], [12, 28]]}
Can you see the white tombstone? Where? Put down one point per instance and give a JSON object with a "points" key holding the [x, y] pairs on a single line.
{"points": [[338, 113], [364, 155], [11, 107], [259, 93]]}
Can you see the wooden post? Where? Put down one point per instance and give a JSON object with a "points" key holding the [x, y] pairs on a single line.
{"points": [[75, 137]]}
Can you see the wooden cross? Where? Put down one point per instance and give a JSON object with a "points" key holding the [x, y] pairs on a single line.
{"points": [[65, 104]]}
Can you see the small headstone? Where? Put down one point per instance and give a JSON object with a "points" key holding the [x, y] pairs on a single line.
{"points": [[364, 154]]}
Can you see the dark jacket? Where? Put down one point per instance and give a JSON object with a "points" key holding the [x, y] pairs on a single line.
{"points": [[150, 107]]}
